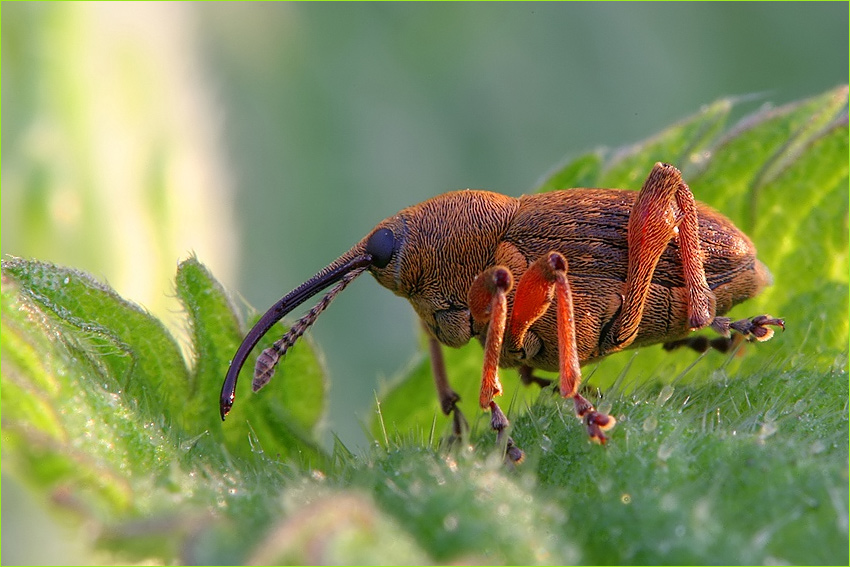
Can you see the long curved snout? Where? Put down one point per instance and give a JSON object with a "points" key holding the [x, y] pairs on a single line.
{"points": [[376, 250], [339, 271]]}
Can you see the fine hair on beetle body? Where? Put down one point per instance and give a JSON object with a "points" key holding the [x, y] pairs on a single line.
{"points": [[548, 281]]}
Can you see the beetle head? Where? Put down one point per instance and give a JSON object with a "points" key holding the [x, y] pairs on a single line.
{"points": [[436, 249]]}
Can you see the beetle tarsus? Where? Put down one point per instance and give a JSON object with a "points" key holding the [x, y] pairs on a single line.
{"points": [[448, 401], [460, 430], [499, 423], [459, 423], [753, 329], [498, 420], [513, 454], [756, 328], [594, 421]]}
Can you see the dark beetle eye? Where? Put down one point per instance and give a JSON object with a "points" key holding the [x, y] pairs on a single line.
{"points": [[380, 247]]}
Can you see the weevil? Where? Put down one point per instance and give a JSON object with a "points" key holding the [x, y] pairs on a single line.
{"points": [[549, 281]]}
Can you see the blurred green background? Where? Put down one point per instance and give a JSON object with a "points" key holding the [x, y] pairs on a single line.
{"points": [[268, 138]]}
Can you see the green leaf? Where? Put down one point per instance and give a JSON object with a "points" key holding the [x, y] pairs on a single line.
{"points": [[139, 357], [215, 330], [736, 471], [99, 406], [278, 421], [82, 413]]}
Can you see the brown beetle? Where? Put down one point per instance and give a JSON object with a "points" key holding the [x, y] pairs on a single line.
{"points": [[623, 268]]}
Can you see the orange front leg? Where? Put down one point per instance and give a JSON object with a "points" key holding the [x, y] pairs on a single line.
{"points": [[488, 303], [545, 281]]}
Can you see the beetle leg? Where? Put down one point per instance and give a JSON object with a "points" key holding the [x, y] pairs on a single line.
{"points": [[533, 296], [499, 422], [545, 280], [570, 373], [701, 300], [757, 328], [595, 421], [488, 303], [664, 209], [447, 396]]}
